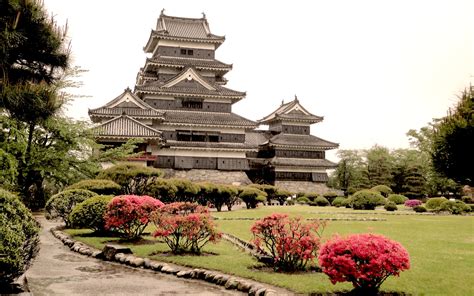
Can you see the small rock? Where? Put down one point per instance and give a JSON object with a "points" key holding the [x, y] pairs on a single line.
{"points": [[96, 254], [231, 284], [184, 274], [253, 290], [137, 262], [243, 286], [146, 263], [110, 250], [261, 292], [270, 292]]}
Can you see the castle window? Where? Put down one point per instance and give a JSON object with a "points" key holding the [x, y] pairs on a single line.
{"points": [[191, 104], [183, 51], [190, 52]]}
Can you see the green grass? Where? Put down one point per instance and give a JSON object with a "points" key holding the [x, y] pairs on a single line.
{"points": [[441, 250]]}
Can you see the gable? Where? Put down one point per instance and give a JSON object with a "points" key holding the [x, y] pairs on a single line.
{"points": [[189, 75]]}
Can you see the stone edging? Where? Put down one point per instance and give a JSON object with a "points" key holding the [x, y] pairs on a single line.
{"points": [[214, 277]]}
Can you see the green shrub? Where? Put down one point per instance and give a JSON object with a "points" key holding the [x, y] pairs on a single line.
{"points": [[454, 207], [290, 202], [390, 206], [252, 196], [300, 194], [311, 196], [19, 240], [303, 200], [366, 200], [217, 195], [162, 189], [382, 189], [338, 201], [101, 187], [434, 203], [133, 178], [90, 213], [330, 196], [281, 196], [419, 209], [347, 203], [321, 201], [61, 204], [397, 198], [187, 191], [467, 199]]}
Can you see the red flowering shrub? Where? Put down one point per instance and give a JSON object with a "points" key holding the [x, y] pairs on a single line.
{"points": [[291, 243], [413, 203], [130, 214], [366, 260], [185, 227]]}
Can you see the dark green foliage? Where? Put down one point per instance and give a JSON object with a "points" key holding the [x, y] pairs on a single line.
{"points": [[454, 207], [61, 204], [218, 195], [252, 196], [382, 189], [338, 201], [366, 200], [467, 199], [282, 196], [347, 203], [434, 202], [103, 187], [330, 196], [390, 206], [19, 241], [133, 178], [397, 198], [90, 213], [230, 194], [379, 166], [452, 149], [187, 191], [302, 200], [321, 201], [162, 189], [419, 209], [311, 196]]}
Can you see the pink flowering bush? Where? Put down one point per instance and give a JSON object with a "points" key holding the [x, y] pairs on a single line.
{"points": [[130, 214], [413, 203], [291, 243], [365, 260], [185, 227]]}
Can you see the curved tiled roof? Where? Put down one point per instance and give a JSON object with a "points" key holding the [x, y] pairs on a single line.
{"points": [[220, 91], [134, 112], [207, 118], [125, 127], [180, 62], [196, 28], [292, 111], [301, 141]]}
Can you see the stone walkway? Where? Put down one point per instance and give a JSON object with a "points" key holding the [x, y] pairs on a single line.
{"points": [[58, 271]]}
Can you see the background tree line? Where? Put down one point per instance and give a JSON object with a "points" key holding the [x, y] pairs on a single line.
{"points": [[440, 161]]}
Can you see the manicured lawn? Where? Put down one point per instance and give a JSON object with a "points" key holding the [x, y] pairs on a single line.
{"points": [[441, 249]]}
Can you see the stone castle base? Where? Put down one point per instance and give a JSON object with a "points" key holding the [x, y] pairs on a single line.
{"points": [[236, 178], [302, 186]]}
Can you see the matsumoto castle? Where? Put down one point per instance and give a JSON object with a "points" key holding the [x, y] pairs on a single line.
{"points": [[182, 109]]}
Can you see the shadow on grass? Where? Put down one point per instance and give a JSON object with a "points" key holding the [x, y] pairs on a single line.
{"points": [[171, 254], [360, 293]]}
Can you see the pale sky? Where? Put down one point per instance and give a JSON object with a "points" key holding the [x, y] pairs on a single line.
{"points": [[373, 69]]}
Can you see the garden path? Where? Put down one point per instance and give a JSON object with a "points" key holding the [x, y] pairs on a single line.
{"points": [[58, 271]]}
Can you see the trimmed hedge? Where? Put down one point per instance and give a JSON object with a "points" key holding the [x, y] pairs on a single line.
{"points": [[338, 201], [90, 213], [366, 200], [61, 204], [454, 207], [382, 189], [19, 242], [252, 196], [321, 201], [434, 203], [419, 209], [390, 206], [397, 198], [99, 186], [303, 200]]}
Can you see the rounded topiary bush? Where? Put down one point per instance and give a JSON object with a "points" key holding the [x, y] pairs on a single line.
{"points": [[163, 189], [330, 196], [338, 201], [19, 241], [61, 204], [90, 213], [454, 207], [366, 200], [302, 200], [382, 189], [321, 201], [311, 196], [397, 198], [99, 186], [390, 206], [434, 203], [467, 199], [347, 203], [252, 196], [419, 209]]}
